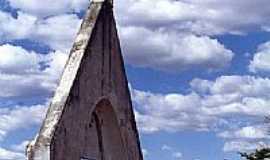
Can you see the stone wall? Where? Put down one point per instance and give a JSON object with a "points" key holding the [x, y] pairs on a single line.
{"points": [[96, 121]]}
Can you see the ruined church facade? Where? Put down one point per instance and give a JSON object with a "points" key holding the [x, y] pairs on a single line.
{"points": [[91, 116]]}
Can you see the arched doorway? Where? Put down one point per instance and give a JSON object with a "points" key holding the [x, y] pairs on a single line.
{"points": [[110, 144]]}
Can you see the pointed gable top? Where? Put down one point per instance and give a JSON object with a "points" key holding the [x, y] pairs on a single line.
{"points": [[67, 79], [93, 73]]}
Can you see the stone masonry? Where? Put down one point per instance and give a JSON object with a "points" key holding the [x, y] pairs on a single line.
{"points": [[91, 116]]}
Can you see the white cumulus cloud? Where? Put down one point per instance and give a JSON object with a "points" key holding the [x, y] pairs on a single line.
{"points": [[20, 117], [15, 152], [261, 59], [24, 67], [15, 59], [58, 32], [49, 7], [206, 17], [243, 146], [210, 109], [172, 51], [248, 132], [10, 155]]}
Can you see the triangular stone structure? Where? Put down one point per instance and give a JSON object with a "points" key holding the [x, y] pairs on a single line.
{"points": [[91, 116]]}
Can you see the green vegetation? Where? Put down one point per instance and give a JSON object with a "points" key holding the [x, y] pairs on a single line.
{"points": [[259, 154]]}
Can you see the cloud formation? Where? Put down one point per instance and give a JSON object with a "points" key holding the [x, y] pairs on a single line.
{"points": [[10, 155], [20, 117], [242, 146], [48, 31], [261, 59], [176, 33], [174, 153], [233, 107], [209, 106], [172, 51], [249, 132], [29, 69], [15, 60], [15, 152], [49, 7], [198, 17]]}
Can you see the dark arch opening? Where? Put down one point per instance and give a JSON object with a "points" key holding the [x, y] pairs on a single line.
{"points": [[109, 139]]}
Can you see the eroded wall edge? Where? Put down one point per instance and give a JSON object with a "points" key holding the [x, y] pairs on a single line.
{"points": [[39, 149]]}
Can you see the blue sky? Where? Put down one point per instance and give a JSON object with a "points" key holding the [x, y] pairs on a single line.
{"points": [[198, 72]]}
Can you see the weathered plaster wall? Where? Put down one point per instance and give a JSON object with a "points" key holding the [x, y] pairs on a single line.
{"points": [[99, 94]]}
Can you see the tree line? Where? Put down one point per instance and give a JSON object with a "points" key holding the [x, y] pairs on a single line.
{"points": [[258, 154]]}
